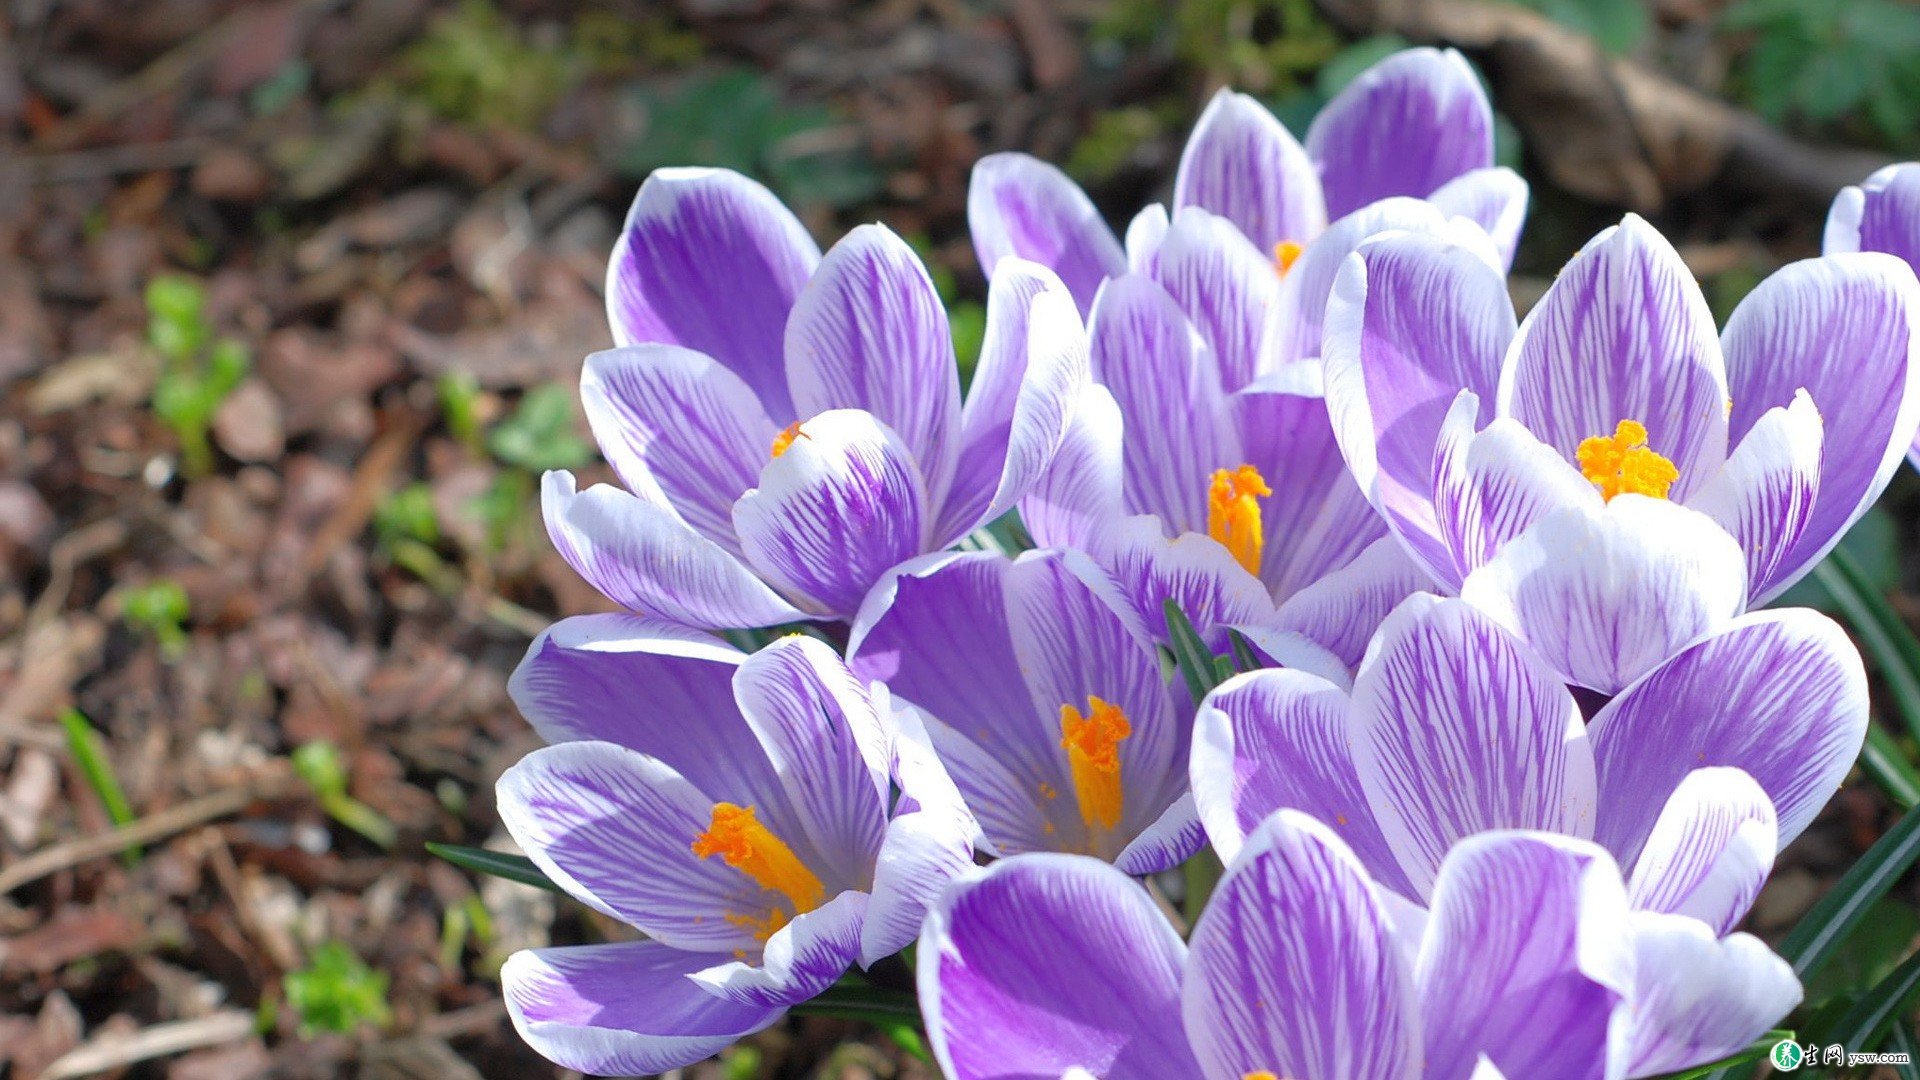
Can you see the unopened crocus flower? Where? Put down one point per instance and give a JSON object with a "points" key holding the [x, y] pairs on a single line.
{"points": [[1882, 213], [1530, 963], [1692, 778], [740, 811], [1610, 477], [1417, 124], [1043, 695], [789, 427]]}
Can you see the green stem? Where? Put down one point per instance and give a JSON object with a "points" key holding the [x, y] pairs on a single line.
{"points": [[1202, 873]]}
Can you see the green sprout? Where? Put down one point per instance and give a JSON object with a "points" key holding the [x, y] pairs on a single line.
{"points": [[158, 609], [90, 753], [539, 435], [337, 992], [474, 64], [318, 763], [460, 405], [199, 371]]}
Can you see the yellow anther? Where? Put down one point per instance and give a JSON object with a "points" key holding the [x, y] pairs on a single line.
{"points": [[784, 441], [1233, 513], [737, 836], [1261, 1075], [1092, 741], [1285, 254], [1623, 464]]}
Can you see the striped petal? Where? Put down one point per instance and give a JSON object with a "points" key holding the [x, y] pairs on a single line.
{"points": [[1765, 495], [1224, 284], [1045, 964], [1020, 205], [1494, 199], [1294, 970], [1779, 694], [801, 960], [1407, 125], [842, 506], [1079, 493], [1242, 164], [1492, 485], [1317, 519], [644, 557], [1697, 999], [1605, 594], [711, 260], [1342, 610], [622, 1009], [869, 333], [1710, 850], [1624, 333], [1458, 730], [1881, 214]]}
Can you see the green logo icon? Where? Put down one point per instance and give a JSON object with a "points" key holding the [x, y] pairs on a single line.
{"points": [[1787, 1055]]}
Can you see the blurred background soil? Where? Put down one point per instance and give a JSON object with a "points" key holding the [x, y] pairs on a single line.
{"points": [[293, 297]]}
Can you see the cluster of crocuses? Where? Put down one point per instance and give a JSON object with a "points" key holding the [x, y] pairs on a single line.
{"points": [[1518, 757]]}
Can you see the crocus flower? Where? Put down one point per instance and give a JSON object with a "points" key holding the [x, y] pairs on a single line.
{"points": [[1880, 214], [789, 427], [737, 810], [1693, 778], [1529, 964], [1042, 693], [1416, 124], [1593, 475]]}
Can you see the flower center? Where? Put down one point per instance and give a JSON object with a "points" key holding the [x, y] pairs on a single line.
{"points": [[1233, 513], [1285, 254], [1092, 741], [1623, 464], [737, 836], [784, 441]]}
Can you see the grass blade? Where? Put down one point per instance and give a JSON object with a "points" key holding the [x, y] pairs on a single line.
{"points": [[1864, 1025], [1190, 654], [1760, 1048], [90, 753], [494, 864], [1880, 629], [1814, 939], [1887, 764]]}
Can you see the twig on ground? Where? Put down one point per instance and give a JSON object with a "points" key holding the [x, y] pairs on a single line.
{"points": [[117, 1051]]}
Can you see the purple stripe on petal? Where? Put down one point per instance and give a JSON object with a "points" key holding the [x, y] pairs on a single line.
{"points": [[1411, 322], [1224, 284], [1527, 960], [842, 506], [1032, 375], [1494, 199], [1843, 329], [1624, 333], [1605, 594], [1294, 970], [615, 828], [1882, 214], [677, 422], [622, 1009], [1490, 486], [642, 556], [1195, 572], [922, 854], [1710, 851], [1765, 495], [1458, 729], [1079, 493], [1020, 205], [1697, 999], [1781, 695], [1317, 519], [1407, 125], [1145, 233], [1242, 164], [1048, 963], [1146, 353], [1278, 740], [1296, 322], [1343, 609], [832, 752], [869, 333], [1165, 843], [711, 260], [801, 959]]}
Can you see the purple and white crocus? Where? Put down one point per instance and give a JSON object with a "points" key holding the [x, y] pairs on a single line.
{"points": [[1530, 963], [1882, 213], [1693, 778], [740, 811], [1415, 125], [790, 427], [1043, 695], [1610, 478]]}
